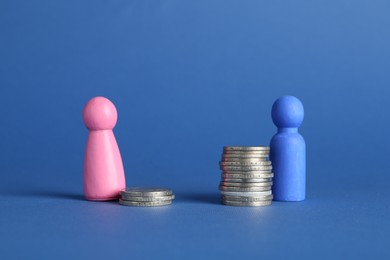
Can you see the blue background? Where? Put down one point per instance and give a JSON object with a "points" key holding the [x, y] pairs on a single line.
{"points": [[189, 77]]}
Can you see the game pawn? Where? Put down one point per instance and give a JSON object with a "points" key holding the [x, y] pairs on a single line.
{"points": [[103, 169], [288, 150]]}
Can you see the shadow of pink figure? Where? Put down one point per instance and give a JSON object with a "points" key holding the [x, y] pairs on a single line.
{"points": [[103, 168]]}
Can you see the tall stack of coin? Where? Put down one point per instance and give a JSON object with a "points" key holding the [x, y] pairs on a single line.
{"points": [[246, 176], [146, 197]]}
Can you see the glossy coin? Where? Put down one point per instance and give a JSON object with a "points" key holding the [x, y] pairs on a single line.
{"points": [[246, 198], [246, 148], [246, 168], [246, 184], [247, 203], [246, 194], [145, 192], [145, 203], [241, 189], [246, 180], [248, 163], [148, 198]]}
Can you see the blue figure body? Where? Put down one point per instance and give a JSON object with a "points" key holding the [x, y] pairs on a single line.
{"points": [[288, 150]]}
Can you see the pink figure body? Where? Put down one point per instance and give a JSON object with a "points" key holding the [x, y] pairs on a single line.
{"points": [[104, 176]]}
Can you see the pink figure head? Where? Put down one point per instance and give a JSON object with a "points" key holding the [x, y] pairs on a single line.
{"points": [[100, 114]]}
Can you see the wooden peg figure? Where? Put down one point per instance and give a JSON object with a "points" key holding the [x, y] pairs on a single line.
{"points": [[103, 169], [288, 150]]}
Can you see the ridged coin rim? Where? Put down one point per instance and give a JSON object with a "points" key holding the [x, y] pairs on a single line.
{"points": [[248, 163], [145, 203], [241, 189], [246, 148], [246, 193], [246, 180], [145, 191], [246, 184], [250, 159], [244, 156], [247, 172], [247, 198], [148, 198], [246, 168]]}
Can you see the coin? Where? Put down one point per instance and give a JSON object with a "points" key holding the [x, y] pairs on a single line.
{"points": [[243, 156], [246, 152], [145, 203], [255, 172], [246, 148], [250, 159], [240, 153], [145, 192], [149, 198], [245, 180], [247, 203], [247, 193], [241, 189], [247, 198], [248, 178], [246, 184], [246, 168], [254, 163]]}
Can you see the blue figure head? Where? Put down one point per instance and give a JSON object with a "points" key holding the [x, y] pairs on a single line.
{"points": [[287, 112]]}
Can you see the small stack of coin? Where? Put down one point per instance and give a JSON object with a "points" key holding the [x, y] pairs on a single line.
{"points": [[146, 197], [246, 176]]}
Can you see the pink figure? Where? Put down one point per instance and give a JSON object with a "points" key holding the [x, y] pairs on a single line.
{"points": [[104, 176]]}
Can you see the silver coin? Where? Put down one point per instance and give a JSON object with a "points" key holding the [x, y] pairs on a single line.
{"points": [[246, 198], [240, 153], [246, 184], [244, 156], [247, 203], [148, 198], [241, 189], [253, 159], [248, 163], [246, 148], [245, 152], [246, 168], [145, 192], [246, 172], [145, 203], [245, 180], [247, 193]]}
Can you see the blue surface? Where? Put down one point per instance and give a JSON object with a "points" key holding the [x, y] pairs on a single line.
{"points": [[188, 77], [288, 150]]}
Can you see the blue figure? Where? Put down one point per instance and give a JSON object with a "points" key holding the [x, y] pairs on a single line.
{"points": [[288, 150]]}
